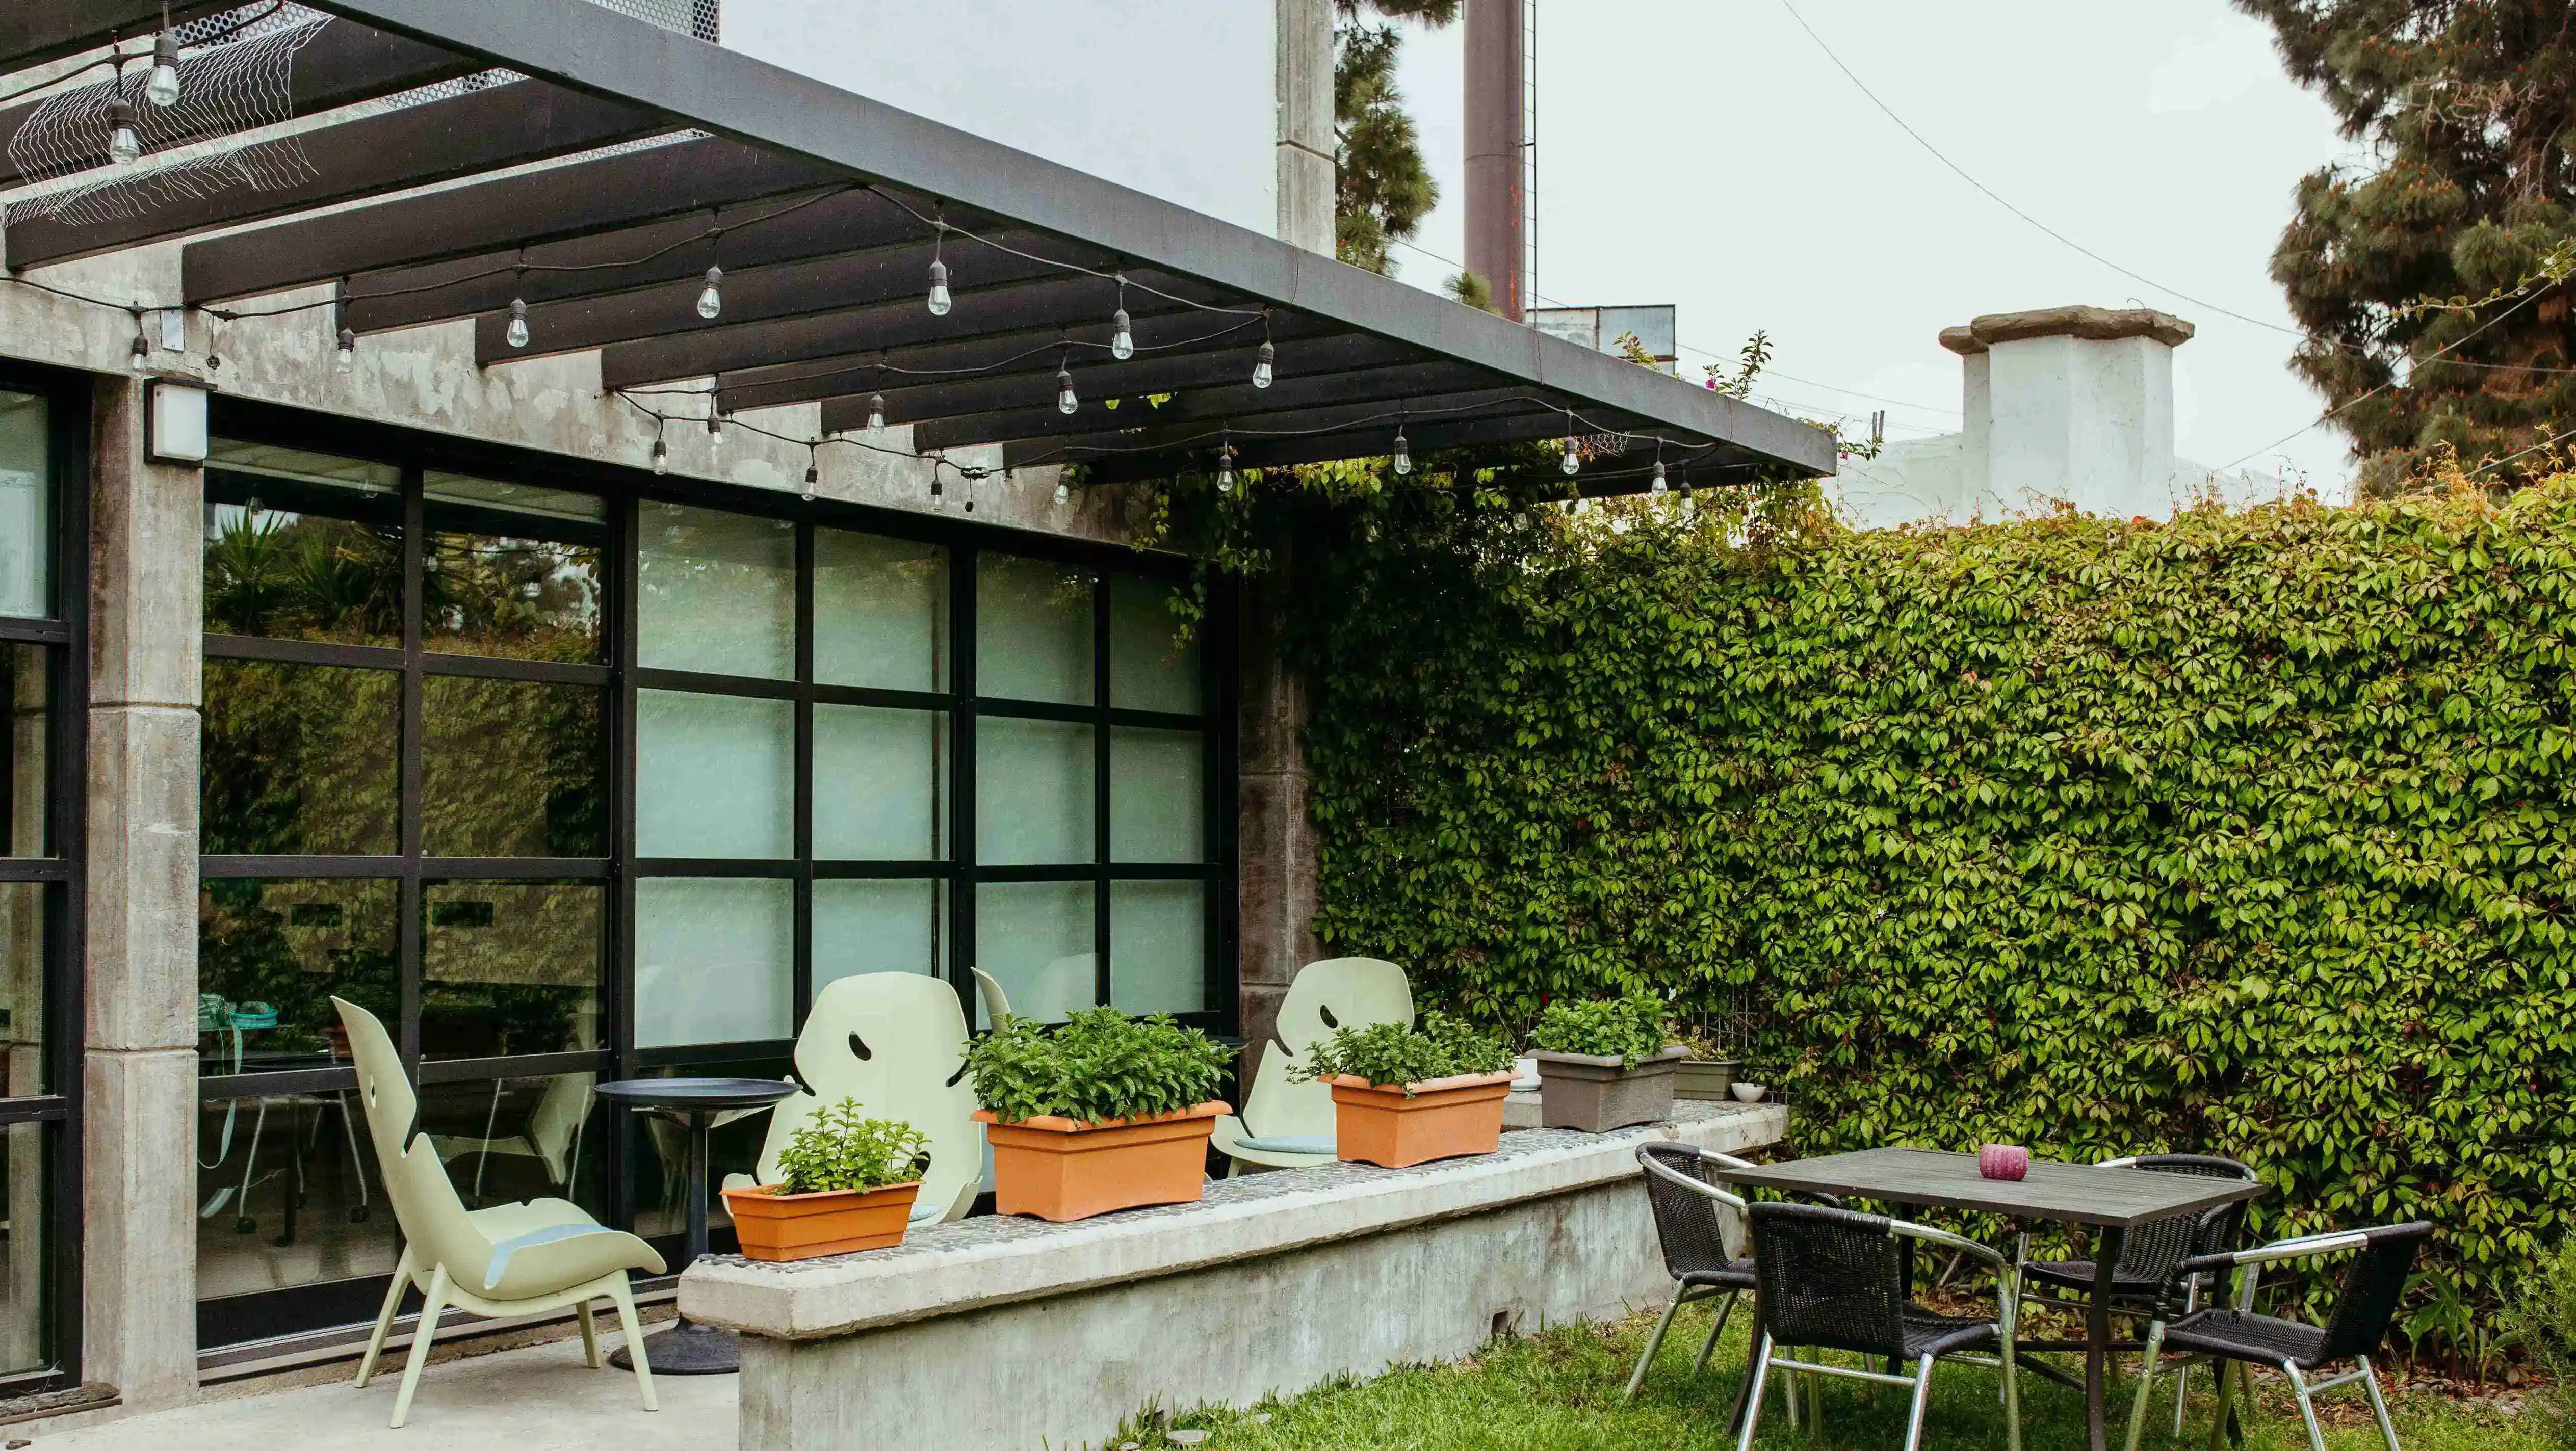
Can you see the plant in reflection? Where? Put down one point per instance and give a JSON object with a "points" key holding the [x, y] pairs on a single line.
{"points": [[286, 575], [291, 945], [526, 599], [300, 758]]}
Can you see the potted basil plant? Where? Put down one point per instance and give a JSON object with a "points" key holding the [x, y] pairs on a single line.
{"points": [[848, 1185], [1106, 1112], [1407, 1095], [1605, 1064]]}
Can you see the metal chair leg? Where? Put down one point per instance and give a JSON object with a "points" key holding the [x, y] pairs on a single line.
{"points": [[2146, 1382], [2182, 1373], [2307, 1407], [1725, 1310], [2378, 1405], [2226, 1373], [1655, 1341], [1922, 1394], [1753, 1393]]}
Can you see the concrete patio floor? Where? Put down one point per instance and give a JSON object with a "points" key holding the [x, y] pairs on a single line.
{"points": [[541, 1398]]}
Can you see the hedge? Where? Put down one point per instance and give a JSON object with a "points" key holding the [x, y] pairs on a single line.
{"points": [[2247, 833]]}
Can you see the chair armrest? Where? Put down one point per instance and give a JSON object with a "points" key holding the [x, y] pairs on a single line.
{"points": [[1658, 1170], [1910, 1230], [2282, 1249]]}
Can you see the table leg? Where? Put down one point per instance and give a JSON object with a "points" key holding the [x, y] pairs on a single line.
{"points": [[688, 1348], [2097, 1333], [697, 1193]]}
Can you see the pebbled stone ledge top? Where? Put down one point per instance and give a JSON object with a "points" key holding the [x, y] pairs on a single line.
{"points": [[950, 1269]]}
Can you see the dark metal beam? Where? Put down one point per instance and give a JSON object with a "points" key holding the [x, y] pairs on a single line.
{"points": [[1200, 457], [33, 32], [1376, 418], [494, 218], [1096, 385], [506, 125], [341, 66]]}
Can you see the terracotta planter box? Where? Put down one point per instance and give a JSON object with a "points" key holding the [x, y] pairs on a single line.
{"points": [[1445, 1118], [1055, 1168], [782, 1227], [1596, 1095], [1710, 1079]]}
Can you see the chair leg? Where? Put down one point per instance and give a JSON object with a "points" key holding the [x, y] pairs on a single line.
{"points": [[2307, 1407], [1655, 1341], [1753, 1394], [1725, 1310], [589, 1337], [2146, 1382], [385, 1320], [2225, 1373], [625, 1298], [2378, 1405], [1922, 1394], [420, 1341], [2182, 1373]]}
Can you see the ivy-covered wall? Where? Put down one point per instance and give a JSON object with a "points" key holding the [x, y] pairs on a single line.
{"points": [[2249, 834]]}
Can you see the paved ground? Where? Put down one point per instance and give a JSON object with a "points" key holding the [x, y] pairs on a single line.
{"points": [[538, 1399]]}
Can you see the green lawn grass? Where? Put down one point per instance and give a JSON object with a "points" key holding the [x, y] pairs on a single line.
{"points": [[1560, 1391]]}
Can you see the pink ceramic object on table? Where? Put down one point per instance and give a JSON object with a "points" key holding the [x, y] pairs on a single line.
{"points": [[2003, 1161]]}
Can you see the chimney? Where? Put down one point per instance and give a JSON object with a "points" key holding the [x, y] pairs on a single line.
{"points": [[1497, 248], [2072, 404]]}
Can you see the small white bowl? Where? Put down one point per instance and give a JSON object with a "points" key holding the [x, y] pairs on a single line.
{"points": [[1747, 1092]]}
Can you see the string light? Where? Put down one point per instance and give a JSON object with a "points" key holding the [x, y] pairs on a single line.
{"points": [[661, 455], [518, 333], [715, 429], [348, 349], [1122, 344], [124, 143], [1063, 491], [813, 470], [1262, 370], [1065, 401], [1573, 461], [139, 357], [711, 298], [1225, 469], [163, 89], [876, 413], [1403, 452], [1658, 486]]}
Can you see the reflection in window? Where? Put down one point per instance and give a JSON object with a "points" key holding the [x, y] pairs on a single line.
{"points": [[1032, 630], [1033, 792], [715, 960], [510, 968], [1157, 795], [303, 547], [715, 775], [25, 1338], [26, 723], [880, 612], [511, 570], [718, 593], [1151, 665], [662, 1163], [867, 925], [22, 987], [289, 1192], [26, 508], [271, 954], [300, 759], [512, 768], [1158, 946], [516, 1139], [880, 787], [1036, 940]]}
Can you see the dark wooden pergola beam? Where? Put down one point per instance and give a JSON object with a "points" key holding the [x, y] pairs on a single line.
{"points": [[506, 125], [1377, 417], [1388, 387], [33, 32], [1201, 457]]}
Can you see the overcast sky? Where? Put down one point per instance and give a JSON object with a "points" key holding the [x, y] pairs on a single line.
{"points": [[1710, 155]]}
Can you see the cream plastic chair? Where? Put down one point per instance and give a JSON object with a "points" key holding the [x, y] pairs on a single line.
{"points": [[511, 1259], [1289, 1125], [896, 1042]]}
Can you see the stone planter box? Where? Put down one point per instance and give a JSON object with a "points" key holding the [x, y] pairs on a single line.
{"points": [[1596, 1095], [1708, 1080]]}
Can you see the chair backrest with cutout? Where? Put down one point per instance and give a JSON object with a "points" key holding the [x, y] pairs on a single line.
{"points": [[1339, 992], [425, 1201], [896, 1042]]}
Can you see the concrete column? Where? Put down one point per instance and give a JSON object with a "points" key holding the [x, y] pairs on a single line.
{"points": [[1275, 837], [1305, 85], [139, 1137], [1497, 150]]}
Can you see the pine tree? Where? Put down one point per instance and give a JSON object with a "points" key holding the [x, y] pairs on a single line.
{"points": [[1384, 188], [2433, 284]]}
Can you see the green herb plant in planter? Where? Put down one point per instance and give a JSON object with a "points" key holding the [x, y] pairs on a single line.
{"points": [[1605, 1064], [1708, 1073], [1106, 1112], [848, 1185], [1406, 1095]]}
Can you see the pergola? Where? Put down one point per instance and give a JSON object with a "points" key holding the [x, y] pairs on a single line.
{"points": [[826, 215]]}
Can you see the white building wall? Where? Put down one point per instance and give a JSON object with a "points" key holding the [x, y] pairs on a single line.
{"points": [[1176, 98]]}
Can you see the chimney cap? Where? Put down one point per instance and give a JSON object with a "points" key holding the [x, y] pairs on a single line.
{"points": [[2092, 324]]}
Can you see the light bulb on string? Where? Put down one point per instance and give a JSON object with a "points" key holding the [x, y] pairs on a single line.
{"points": [[139, 357], [876, 413], [711, 297], [124, 143], [1573, 463], [1225, 469], [1659, 484], [661, 456], [517, 335], [715, 429], [940, 301], [1065, 400], [163, 89], [1263, 369], [348, 349], [1403, 452], [938, 497], [1063, 491], [813, 472], [1122, 339]]}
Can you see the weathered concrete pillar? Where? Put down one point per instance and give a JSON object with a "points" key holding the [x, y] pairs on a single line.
{"points": [[1275, 836], [139, 1138], [1306, 176]]}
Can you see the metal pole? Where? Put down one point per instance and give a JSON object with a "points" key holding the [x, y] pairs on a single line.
{"points": [[1497, 246]]}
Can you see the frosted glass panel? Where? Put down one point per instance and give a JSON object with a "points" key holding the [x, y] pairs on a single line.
{"points": [[879, 783], [880, 612], [872, 926], [715, 960], [1035, 939], [715, 776], [1157, 798], [1158, 946], [1147, 670], [26, 508], [1032, 630], [1033, 792], [718, 593]]}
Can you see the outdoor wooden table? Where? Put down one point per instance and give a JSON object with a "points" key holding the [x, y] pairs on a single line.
{"points": [[2112, 1201]]}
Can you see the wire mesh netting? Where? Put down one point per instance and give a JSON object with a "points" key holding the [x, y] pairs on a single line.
{"points": [[236, 79]]}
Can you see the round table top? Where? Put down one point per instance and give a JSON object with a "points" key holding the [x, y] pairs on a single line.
{"points": [[697, 1095]]}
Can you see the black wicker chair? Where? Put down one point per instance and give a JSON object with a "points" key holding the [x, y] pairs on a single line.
{"points": [[1690, 1222], [1830, 1279], [2238, 1337]]}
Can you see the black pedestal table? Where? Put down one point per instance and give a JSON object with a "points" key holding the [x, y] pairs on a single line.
{"points": [[694, 1105]]}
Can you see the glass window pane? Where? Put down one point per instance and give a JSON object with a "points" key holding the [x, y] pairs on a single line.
{"points": [[1033, 792], [305, 554], [23, 979], [1158, 946], [511, 570], [26, 507], [288, 1194], [660, 1152], [715, 776], [1036, 940], [516, 1139], [300, 760], [1150, 668], [511, 768], [270, 957], [878, 926], [718, 593], [880, 784], [1157, 796], [26, 720], [880, 612], [25, 1167], [510, 968], [1032, 630], [715, 960]]}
